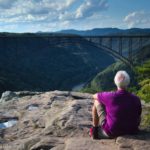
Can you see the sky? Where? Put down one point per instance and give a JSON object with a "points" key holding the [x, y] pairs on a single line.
{"points": [[54, 15]]}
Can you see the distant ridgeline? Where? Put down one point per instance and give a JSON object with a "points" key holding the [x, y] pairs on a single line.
{"points": [[38, 62]]}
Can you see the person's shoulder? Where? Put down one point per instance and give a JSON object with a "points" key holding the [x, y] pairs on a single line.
{"points": [[106, 93], [135, 96]]}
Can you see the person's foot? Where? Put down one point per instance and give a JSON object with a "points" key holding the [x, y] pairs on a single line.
{"points": [[94, 132]]}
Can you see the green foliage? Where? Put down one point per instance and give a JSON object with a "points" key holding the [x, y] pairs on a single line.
{"points": [[143, 71], [133, 89], [140, 77], [145, 122], [144, 91], [143, 76], [104, 81], [144, 82]]}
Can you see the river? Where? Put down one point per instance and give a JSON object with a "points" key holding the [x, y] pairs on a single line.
{"points": [[78, 87]]}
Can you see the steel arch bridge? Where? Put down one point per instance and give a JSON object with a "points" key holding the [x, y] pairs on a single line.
{"points": [[124, 45], [123, 50]]}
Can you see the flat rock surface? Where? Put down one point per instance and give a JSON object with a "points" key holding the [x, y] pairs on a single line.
{"points": [[89, 144], [57, 120]]}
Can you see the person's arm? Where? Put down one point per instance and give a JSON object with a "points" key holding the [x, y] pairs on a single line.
{"points": [[95, 96]]}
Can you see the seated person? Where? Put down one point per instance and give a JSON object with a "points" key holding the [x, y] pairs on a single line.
{"points": [[116, 113]]}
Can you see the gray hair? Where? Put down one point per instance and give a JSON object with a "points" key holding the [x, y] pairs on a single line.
{"points": [[122, 79]]}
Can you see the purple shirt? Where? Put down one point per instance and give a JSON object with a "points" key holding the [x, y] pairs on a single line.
{"points": [[123, 111]]}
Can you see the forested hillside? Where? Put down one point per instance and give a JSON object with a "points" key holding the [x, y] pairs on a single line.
{"points": [[47, 62], [140, 76], [143, 78]]}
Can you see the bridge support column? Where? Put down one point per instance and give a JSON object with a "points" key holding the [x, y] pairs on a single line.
{"points": [[140, 42], [100, 41], [110, 43], [130, 50], [120, 46]]}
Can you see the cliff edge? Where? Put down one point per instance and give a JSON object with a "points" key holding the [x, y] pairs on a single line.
{"points": [[56, 120]]}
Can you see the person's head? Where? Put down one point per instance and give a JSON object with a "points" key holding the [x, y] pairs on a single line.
{"points": [[122, 79]]}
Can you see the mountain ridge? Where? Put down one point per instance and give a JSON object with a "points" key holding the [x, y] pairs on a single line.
{"points": [[107, 31], [94, 31]]}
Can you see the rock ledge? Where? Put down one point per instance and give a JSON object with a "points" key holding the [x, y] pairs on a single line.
{"points": [[56, 120]]}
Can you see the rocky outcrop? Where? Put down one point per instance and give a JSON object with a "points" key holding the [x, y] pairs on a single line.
{"points": [[56, 120]]}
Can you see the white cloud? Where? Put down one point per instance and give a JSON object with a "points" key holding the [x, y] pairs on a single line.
{"points": [[138, 19], [20, 9], [90, 7], [70, 2], [44, 13]]}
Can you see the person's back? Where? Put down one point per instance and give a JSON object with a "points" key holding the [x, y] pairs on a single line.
{"points": [[123, 111], [118, 112]]}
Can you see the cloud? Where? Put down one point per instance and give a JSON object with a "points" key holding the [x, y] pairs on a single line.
{"points": [[59, 13], [138, 19], [70, 2], [90, 7], [6, 4], [21, 10], [87, 8]]}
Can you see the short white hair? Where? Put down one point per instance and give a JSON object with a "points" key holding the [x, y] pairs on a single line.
{"points": [[122, 79]]}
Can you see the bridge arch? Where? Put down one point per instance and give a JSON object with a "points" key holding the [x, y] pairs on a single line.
{"points": [[90, 40]]}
